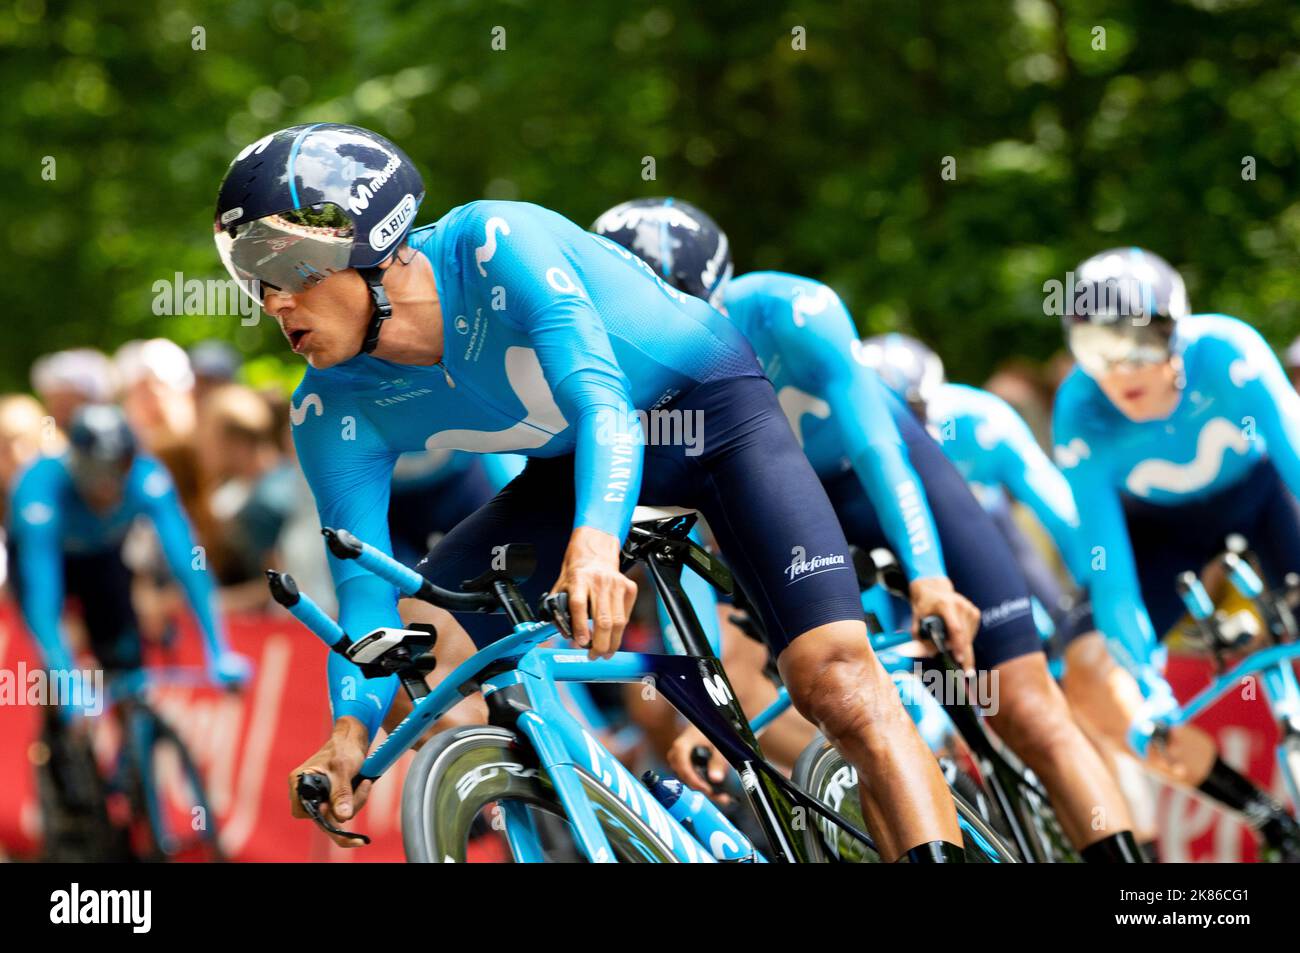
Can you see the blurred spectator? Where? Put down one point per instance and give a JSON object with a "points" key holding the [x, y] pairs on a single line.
{"points": [[25, 431], [157, 385], [157, 390], [249, 483], [1022, 385], [214, 363], [65, 380], [1291, 360]]}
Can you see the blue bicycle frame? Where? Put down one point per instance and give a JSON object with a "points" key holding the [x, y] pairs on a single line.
{"points": [[524, 674], [1273, 665]]}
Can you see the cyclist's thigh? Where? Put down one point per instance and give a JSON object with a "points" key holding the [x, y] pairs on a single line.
{"points": [[1275, 536], [101, 582], [421, 513], [978, 559], [765, 506], [1043, 585], [1169, 540], [535, 508]]}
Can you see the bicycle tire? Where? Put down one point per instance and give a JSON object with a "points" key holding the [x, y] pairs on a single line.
{"points": [[822, 772], [460, 772], [162, 844]]}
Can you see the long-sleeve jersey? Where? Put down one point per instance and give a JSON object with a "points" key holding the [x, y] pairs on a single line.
{"points": [[838, 406], [994, 449], [1236, 408], [48, 519], [553, 338]]}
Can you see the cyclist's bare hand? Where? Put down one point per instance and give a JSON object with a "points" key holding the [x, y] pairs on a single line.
{"points": [[597, 590], [935, 595], [339, 759], [679, 759]]}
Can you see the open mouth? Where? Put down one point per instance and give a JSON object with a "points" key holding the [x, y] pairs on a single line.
{"points": [[297, 337]]}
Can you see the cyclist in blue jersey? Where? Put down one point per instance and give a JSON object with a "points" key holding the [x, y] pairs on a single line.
{"points": [[505, 327], [1174, 431], [891, 485], [69, 515], [994, 450]]}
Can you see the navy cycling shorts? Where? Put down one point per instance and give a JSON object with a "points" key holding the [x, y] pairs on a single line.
{"points": [[101, 583], [750, 481], [418, 513], [978, 559], [1170, 540]]}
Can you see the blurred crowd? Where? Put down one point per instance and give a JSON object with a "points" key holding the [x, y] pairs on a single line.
{"points": [[229, 449], [227, 446]]}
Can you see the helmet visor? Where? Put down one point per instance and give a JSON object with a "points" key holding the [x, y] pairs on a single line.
{"points": [[288, 251], [1101, 348]]}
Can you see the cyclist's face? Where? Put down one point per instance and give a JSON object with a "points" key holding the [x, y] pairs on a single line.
{"points": [[101, 492], [326, 324], [1144, 391]]}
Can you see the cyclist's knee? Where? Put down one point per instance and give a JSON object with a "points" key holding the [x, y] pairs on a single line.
{"points": [[841, 687], [1035, 721]]}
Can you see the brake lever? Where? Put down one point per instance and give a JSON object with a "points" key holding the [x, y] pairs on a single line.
{"points": [[932, 627], [555, 608], [700, 762], [313, 791]]}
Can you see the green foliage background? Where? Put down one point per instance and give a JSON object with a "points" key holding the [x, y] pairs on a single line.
{"points": [[825, 161]]}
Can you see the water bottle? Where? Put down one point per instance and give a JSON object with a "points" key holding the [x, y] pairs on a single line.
{"points": [[702, 819]]}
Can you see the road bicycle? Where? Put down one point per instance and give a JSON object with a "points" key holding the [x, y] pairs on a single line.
{"points": [[534, 762], [1271, 667], [132, 805]]}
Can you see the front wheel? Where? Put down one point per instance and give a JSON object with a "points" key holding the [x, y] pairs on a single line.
{"points": [[462, 772], [823, 773]]}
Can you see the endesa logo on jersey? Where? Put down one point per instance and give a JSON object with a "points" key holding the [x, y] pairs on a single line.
{"points": [[393, 224]]}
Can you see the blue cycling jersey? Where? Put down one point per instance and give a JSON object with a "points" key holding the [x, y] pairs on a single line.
{"points": [[837, 405], [994, 449], [553, 338], [1236, 408], [49, 519]]}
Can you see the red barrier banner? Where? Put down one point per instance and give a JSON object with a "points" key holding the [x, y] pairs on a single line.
{"points": [[247, 744]]}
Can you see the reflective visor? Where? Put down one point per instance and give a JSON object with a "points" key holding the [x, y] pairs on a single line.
{"points": [[89, 472], [288, 251], [1101, 348]]}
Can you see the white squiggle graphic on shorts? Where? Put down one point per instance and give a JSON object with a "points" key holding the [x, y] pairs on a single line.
{"points": [[1217, 437], [298, 414], [483, 254]]}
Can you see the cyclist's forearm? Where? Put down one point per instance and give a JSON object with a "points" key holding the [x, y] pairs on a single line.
{"points": [[896, 491], [188, 564], [365, 604], [41, 577], [607, 469]]}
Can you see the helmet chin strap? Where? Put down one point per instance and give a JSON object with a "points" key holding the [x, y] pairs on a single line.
{"points": [[381, 307]]}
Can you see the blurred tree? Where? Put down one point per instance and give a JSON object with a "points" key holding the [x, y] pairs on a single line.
{"points": [[817, 133]]}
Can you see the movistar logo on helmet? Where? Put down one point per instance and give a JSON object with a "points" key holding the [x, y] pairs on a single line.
{"points": [[394, 224], [365, 191]]}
